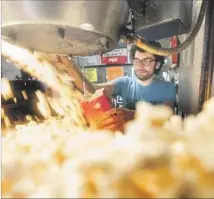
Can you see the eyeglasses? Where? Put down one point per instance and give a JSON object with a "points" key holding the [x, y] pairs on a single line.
{"points": [[145, 62]]}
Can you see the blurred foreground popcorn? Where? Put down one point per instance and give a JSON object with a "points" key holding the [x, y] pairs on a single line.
{"points": [[159, 156]]}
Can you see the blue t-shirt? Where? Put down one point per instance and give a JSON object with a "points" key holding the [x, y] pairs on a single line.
{"points": [[131, 91]]}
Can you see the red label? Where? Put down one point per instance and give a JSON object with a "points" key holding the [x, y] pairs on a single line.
{"points": [[114, 60], [94, 108], [174, 44]]}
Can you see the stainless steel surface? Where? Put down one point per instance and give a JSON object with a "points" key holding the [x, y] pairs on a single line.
{"points": [[212, 87], [165, 19], [208, 59], [77, 27], [190, 70]]}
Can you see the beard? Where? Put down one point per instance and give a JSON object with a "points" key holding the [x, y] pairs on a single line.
{"points": [[144, 76]]}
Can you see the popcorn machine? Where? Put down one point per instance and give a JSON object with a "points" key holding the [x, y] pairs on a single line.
{"points": [[90, 27], [160, 155]]}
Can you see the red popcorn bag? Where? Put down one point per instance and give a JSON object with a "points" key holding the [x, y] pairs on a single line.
{"points": [[94, 108]]}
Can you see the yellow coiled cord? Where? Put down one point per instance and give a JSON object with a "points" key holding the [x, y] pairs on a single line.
{"points": [[170, 51]]}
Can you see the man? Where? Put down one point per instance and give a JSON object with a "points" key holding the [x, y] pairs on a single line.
{"points": [[143, 87]]}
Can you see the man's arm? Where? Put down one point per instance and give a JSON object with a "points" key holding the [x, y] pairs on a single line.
{"points": [[108, 88]]}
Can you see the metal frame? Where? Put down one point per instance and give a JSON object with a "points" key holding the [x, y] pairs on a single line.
{"points": [[206, 82]]}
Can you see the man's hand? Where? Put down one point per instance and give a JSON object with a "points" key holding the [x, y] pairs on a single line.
{"points": [[116, 118]]}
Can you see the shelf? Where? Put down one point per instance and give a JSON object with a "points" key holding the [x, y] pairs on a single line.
{"points": [[109, 65]]}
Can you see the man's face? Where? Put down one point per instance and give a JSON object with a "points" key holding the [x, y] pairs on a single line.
{"points": [[144, 65]]}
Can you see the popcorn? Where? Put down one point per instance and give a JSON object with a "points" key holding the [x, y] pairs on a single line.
{"points": [[173, 159], [159, 155], [156, 115], [208, 107]]}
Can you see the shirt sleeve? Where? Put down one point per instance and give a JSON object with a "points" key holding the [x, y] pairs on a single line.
{"points": [[172, 93], [118, 86]]}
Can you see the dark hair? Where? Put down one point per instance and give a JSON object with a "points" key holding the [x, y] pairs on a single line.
{"points": [[157, 57]]}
